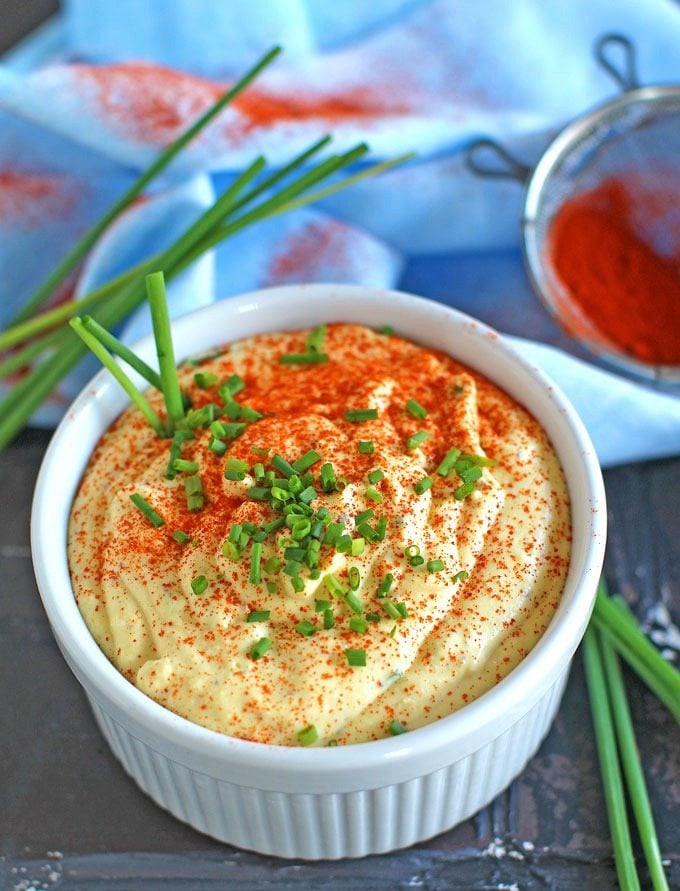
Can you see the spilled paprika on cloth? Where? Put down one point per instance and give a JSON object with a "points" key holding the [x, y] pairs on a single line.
{"points": [[628, 291]]}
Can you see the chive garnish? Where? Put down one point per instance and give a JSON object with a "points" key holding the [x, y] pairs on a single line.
{"points": [[180, 537], [413, 442], [321, 605], [334, 585], [205, 379], [423, 485], [385, 584], [435, 565], [463, 491], [459, 576], [231, 431], [328, 619], [368, 532], [305, 628], [258, 615], [333, 533], [255, 560], [353, 602], [391, 608], [361, 414], [328, 479], [316, 339], [354, 578], [185, 466], [415, 409], [309, 459], [272, 565], [356, 623], [411, 551], [303, 358], [373, 495], [280, 464], [231, 551], [199, 585], [366, 447], [258, 649], [396, 728], [375, 476], [308, 735], [448, 462], [363, 516], [144, 506], [272, 587], [356, 658]]}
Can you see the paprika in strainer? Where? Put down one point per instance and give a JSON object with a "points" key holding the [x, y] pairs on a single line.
{"points": [[626, 289]]}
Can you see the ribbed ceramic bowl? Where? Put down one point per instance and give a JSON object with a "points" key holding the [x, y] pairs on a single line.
{"points": [[327, 802]]}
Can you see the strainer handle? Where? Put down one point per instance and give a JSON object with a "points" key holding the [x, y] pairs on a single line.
{"points": [[625, 75], [499, 163]]}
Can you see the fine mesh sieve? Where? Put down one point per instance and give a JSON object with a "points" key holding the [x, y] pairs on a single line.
{"points": [[639, 132]]}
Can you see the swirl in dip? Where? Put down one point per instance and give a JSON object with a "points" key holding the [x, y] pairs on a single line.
{"points": [[409, 564]]}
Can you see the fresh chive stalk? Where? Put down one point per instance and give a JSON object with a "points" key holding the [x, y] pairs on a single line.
{"points": [[121, 377], [125, 353], [609, 763], [160, 318]]}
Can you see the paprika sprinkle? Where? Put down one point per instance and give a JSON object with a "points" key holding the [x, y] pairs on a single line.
{"points": [[628, 291]]}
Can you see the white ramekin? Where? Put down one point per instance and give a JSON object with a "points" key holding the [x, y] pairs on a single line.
{"points": [[344, 801]]}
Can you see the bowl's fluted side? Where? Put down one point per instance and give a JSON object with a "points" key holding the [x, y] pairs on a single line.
{"points": [[336, 824]]}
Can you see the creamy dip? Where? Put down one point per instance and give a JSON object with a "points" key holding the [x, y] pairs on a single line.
{"points": [[398, 617]]}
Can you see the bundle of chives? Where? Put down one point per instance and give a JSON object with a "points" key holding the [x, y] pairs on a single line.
{"points": [[116, 299], [617, 749]]}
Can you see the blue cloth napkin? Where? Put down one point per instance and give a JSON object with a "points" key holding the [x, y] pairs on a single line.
{"points": [[80, 115]]}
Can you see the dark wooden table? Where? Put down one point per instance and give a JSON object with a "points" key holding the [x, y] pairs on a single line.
{"points": [[71, 819]]}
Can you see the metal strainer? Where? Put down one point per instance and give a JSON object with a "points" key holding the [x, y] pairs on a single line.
{"points": [[638, 130]]}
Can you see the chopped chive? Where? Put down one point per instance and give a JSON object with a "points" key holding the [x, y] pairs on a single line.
{"points": [[205, 379], [308, 735], [321, 605], [257, 493], [298, 584], [357, 546], [417, 560], [305, 628], [448, 462], [463, 491], [231, 551], [255, 561], [356, 623], [235, 532], [333, 533], [258, 451], [364, 515], [313, 554], [386, 331], [459, 576], [328, 619], [411, 551], [160, 320], [316, 339], [308, 494], [368, 532], [199, 585], [393, 632], [357, 415], [180, 537], [309, 459], [375, 476], [373, 495], [250, 414], [233, 385], [471, 474], [366, 447], [435, 565], [415, 409], [385, 584], [344, 544], [381, 530], [258, 649], [354, 578], [280, 464], [185, 466], [303, 358], [403, 610], [328, 479], [144, 506], [356, 658], [396, 728], [371, 617], [422, 485], [260, 615], [413, 442], [272, 565], [176, 451], [292, 568], [272, 587], [273, 525], [334, 585], [217, 429], [391, 608], [353, 602], [231, 431], [298, 554], [217, 446], [279, 494], [232, 409]]}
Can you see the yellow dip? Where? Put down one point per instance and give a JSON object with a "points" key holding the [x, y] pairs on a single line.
{"points": [[477, 570]]}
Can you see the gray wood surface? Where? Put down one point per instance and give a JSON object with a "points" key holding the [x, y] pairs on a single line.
{"points": [[71, 819]]}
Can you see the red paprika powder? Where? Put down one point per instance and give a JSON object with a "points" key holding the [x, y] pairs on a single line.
{"points": [[628, 291]]}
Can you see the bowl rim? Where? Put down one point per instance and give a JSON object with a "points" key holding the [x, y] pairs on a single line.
{"points": [[554, 649]]}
